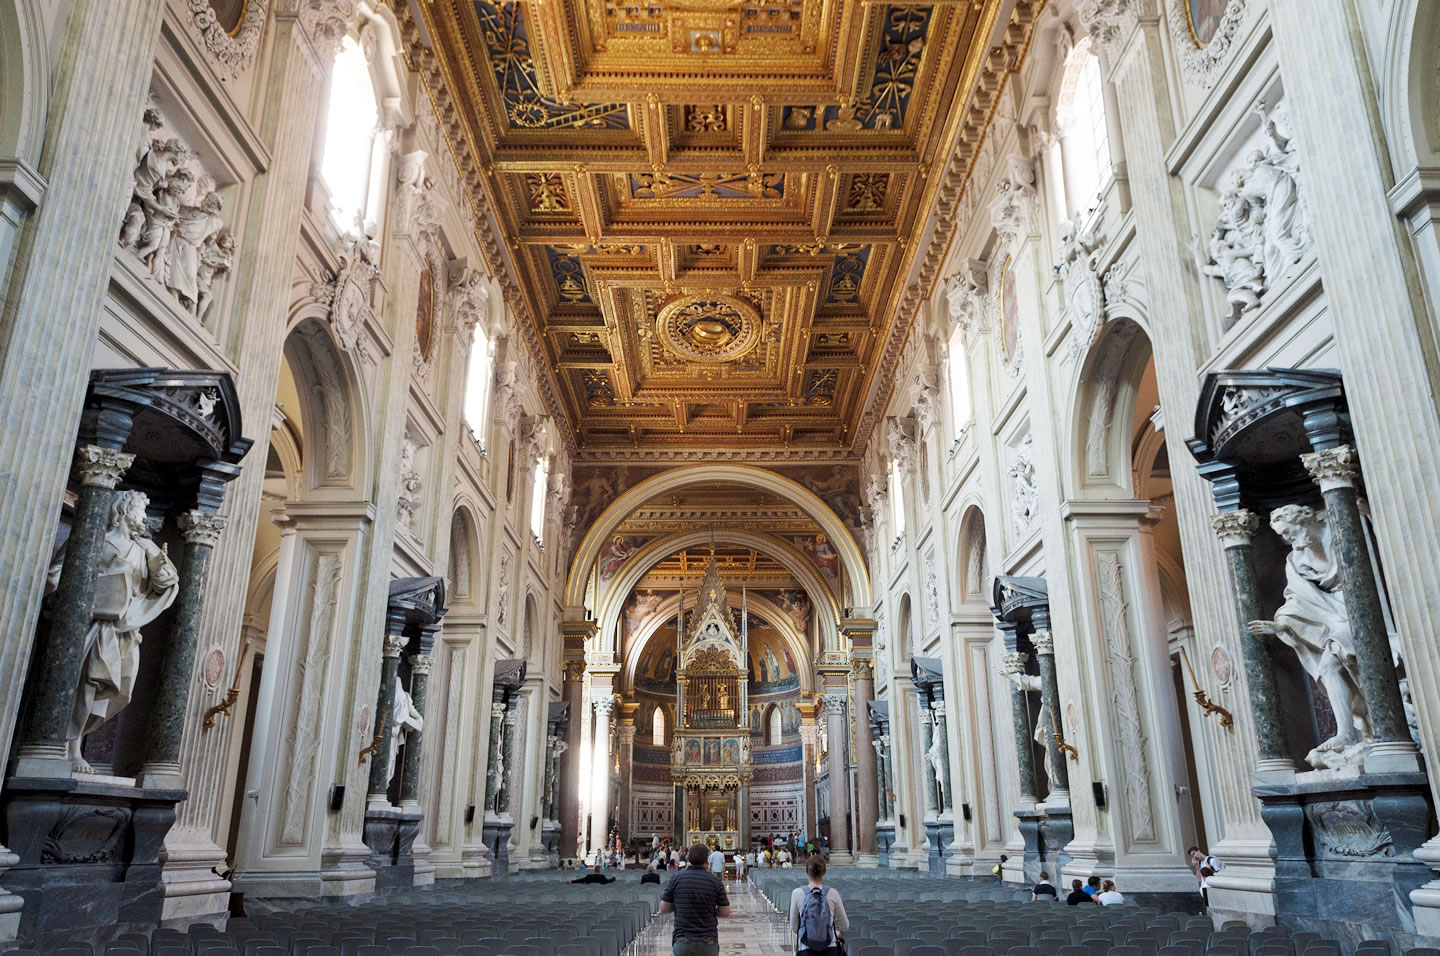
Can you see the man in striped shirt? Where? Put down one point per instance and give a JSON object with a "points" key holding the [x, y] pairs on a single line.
{"points": [[698, 899]]}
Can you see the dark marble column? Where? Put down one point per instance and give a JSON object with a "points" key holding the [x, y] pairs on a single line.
{"points": [[678, 827], [1337, 471], [1044, 644], [1014, 663], [176, 656], [507, 752], [1236, 530], [927, 738], [942, 743], [887, 777], [545, 771], [59, 655], [415, 739], [744, 820], [568, 773], [494, 768], [384, 722]]}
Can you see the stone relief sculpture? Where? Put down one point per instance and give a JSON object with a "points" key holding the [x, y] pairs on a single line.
{"points": [[136, 583], [1024, 498], [1263, 227], [1078, 268], [172, 222], [410, 485], [1012, 211], [904, 444], [406, 719], [966, 297], [1313, 623]]}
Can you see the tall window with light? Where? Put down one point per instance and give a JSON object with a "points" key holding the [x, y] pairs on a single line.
{"points": [[537, 503], [958, 379], [657, 728], [477, 385], [1085, 140], [777, 727], [350, 141]]}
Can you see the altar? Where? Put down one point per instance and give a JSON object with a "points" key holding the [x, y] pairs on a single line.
{"points": [[727, 840]]}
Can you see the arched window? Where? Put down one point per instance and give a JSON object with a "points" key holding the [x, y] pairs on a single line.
{"points": [[776, 729], [350, 140], [1085, 140], [959, 382], [537, 503], [657, 727], [477, 384]]}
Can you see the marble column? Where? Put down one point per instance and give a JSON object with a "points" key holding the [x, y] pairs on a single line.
{"points": [[569, 776], [492, 763], [808, 749], [1337, 471], [59, 655], [1236, 530], [626, 743], [507, 758], [1044, 644], [52, 311], [547, 807], [744, 821], [384, 719], [678, 824], [834, 704], [414, 739], [942, 744], [887, 763], [600, 772], [1014, 663], [176, 663], [867, 796]]}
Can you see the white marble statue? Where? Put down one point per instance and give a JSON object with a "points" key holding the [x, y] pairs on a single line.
{"points": [[1041, 734], [136, 583], [405, 718], [195, 229], [1313, 622]]}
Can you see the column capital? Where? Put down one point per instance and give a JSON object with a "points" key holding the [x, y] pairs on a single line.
{"points": [[101, 467], [1235, 529], [833, 703], [575, 670], [394, 644], [1333, 468], [497, 708], [201, 527], [1044, 643], [1014, 662], [862, 669], [605, 705], [419, 663]]}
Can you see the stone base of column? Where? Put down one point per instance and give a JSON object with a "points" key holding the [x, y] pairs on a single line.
{"points": [[390, 834], [1275, 770], [497, 840], [840, 858], [42, 762], [884, 840], [476, 862], [1393, 756], [940, 835], [961, 859], [193, 893], [1029, 820], [161, 776], [867, 860], [83, 823], [424, 869], [550, 839], [1345, 862]]}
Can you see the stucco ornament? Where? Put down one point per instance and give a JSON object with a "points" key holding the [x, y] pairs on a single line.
{"points": [[966, 297], [1024, 497], [1012, 211], [233, 51], [1078, 268]]}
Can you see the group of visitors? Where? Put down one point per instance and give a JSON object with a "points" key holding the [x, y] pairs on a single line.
{"points": [[1204, 866], [1104, 892], [696, 895]]}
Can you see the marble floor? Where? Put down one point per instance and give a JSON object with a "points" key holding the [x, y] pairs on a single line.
{"points": [[752, 928]]}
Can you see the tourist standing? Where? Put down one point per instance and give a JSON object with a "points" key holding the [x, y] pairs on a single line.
{"points": [[698, 900], [817, 914], [717, 862]]}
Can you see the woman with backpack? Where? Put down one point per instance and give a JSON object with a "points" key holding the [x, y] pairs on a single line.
{"points": [[817, 915]]}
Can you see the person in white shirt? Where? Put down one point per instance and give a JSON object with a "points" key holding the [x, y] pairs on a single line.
{"points": [[717, 863], [839, 922], [739, 866], [1109, 896]]}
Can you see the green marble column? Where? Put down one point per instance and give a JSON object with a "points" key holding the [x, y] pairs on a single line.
{"points": [[59, 655], [176, 654], [507, 773], [942, 742], [494, 769], [1014, 663], [414, 739], [1337, 471], [927, 740], [1236, 530], [384, 722], [1044, 643]]}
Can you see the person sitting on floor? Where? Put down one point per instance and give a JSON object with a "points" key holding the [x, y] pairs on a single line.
{"points": [[594, 878], [1108, 895], [1044, 889]]}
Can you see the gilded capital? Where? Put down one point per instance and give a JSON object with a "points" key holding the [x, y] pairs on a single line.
{"points": [[574, 670], [394, 644], [101, 467], [1333, 468], [1044, 643], [1235, 529], [201, 527], [863, 669]]}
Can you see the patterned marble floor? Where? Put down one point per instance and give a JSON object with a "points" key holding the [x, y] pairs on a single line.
{"points": [[752, 928]]}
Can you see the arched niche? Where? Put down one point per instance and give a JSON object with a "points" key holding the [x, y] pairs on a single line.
{"points": [[1410, 97], [582, 566], [612, 602], [25, 81], [905, 631], [972, 565], [530, 627], [463, 557], [664, 614], [1100, 458], [331, 407]]}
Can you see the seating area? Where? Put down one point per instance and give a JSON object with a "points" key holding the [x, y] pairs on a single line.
{"points": [[540, 915], [900, 914]]}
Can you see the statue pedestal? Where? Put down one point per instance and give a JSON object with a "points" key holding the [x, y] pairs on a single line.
{"points": [[1345, 859], [497, 840], [1029, 819], [89, 856], [884, 840], [390, 834], [940, 834], [1057, 829], [550, 840]]}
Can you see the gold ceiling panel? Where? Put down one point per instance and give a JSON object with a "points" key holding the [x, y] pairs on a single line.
{"points": [[712, 205]]}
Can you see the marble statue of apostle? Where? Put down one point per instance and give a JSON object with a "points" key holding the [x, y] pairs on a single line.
{"points": [[406, 719], [1313, 622], [137, 582]]}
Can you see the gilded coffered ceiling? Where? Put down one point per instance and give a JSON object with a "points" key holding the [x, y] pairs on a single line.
{"points": [[712, 205]]}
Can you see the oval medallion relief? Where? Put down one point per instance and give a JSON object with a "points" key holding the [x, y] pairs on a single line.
{"points": [[709, 327]]}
